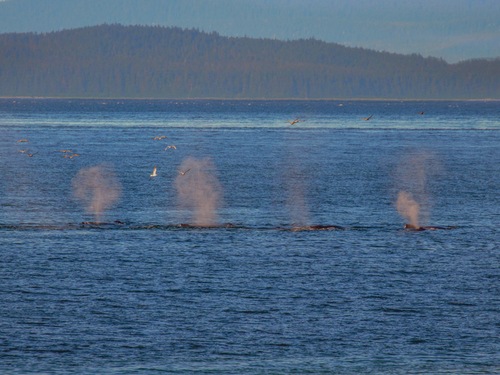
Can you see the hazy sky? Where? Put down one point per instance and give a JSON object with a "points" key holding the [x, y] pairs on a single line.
{"points": [[452, 29]]}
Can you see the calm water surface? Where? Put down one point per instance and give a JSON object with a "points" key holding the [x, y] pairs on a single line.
{"points": [[151, 296]]}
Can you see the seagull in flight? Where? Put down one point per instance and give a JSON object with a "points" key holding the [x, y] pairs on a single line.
{"points": [[30, 155], [23, 151], [66, 151], [421, 113], [175, 148], [294, 121], [154, 173], [23, 140], [183, 173], [366, 119], [70, 156], [163, 136]]}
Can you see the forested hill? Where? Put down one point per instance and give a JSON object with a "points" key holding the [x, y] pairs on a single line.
{"points": [[158, 62]]}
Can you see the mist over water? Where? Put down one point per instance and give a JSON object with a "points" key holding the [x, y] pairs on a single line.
{"points": [[297, 204], [408, 208], [295, 178], [97, 188], [296, 201], [413, 176], [199, 191]]}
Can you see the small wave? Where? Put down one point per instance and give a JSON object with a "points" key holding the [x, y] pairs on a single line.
{"points": [[461, 304], [400, 311]]}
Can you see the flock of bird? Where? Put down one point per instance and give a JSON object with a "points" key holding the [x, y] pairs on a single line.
{"points": [[369, 117], [31, 155], [154, 174], [366, 119], [68, 152]]}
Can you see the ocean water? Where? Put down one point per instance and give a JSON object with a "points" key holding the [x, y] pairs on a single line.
{"points": [[106, 270]]}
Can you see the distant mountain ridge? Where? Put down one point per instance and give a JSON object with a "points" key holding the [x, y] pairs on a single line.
{"points": [[162, 62], [452, 29]]}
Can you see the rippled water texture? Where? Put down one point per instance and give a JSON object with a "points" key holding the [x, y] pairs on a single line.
{"points": [[282, 248]]}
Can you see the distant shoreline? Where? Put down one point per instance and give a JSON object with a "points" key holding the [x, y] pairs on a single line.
{"points": [[251, 99]]}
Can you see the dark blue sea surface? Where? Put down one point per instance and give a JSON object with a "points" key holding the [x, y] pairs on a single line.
{"points": [[236, 267]]}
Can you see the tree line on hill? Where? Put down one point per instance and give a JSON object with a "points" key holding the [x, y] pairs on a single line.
{"points": [[163, 62]]}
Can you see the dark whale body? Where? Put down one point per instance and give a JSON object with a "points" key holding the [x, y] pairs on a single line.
{"points": [[413, 227], [226, 225], [116, 222], [318, 227], [323, 227]]}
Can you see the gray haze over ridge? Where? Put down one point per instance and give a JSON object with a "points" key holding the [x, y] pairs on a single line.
{"points": [[452, 29]]}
